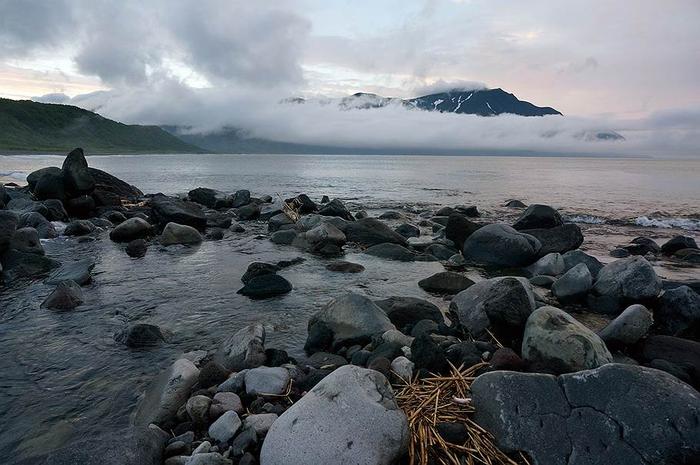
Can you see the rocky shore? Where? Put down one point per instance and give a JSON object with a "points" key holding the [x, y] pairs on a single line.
{"points": [[576, 361]]}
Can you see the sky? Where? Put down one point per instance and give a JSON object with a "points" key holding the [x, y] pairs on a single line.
{"points": [[629, 66]]}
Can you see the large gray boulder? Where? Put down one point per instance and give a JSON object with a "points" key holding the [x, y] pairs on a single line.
{"points": [[51, 186], [574, 257], [243, 349], [615, 414], [554, 342], [66, 296], [404, 311], [174, 233], [445, 282], [538, 216], [350, 318], [551, 264], [133, 228], [8, 225], [349, 418], [370, 231], [500, 304], [623, 282], [459, 228], [17, 264], [266, 380], [168, 209], [628, 327], [210, 198], [35, 220], [501, 245], [678, 313], [34, 176], [391, 251], [166, 393], [77, 179], [558, 239], [27, 240], [574, 284]]}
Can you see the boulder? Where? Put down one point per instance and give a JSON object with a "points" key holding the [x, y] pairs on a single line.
{"points": [[542, 280], [551, 264], [624, 282], [140, 335], [264, 286], [27, 240], [341, 266], [79, 228], [131, 229], [79, 271], [405, 311], [500, 304], [370, 231], [50, 186], [554, 342], [501, 245], [682, 353], [66, 296], [175, 233], [514, 203], [446, 282], [210, 198], [574, 284], [439, 251], [621, 414], [427, 356], [558, 239], [351, 319], [325, 239], [284, 237], [678, 313], [538, 216], [166, 393], [256, 269], [225, 402], [267, 381], [82, 206], [336, 208], [260, 423], [677, 243], [350, 417], [167, 209], [391, 251], [267, 211], [110, 190], [34, 176], [56, 210], [303, 204], [407, 230], [642, 246], [197, 407], [628, 327], [136, 248], [244, 349], [458, 228], [224, 428], [403, 369], [8, 224], [250, 211], [22, 206], [279, 221], [17, 264], [43, 227], [574, 257], [77, 178]]}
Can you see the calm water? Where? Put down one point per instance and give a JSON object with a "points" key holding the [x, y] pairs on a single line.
{"points": [[64, 376]]}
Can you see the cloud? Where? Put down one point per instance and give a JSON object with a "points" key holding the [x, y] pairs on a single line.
{"points": [[447, 86]]}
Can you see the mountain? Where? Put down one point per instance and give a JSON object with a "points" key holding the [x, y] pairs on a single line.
{"points": [[482, 102], [27, 126]]}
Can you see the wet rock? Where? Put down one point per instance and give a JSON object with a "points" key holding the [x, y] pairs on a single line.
{"points": [[677, 243], [22, 206], [408, 230], [278, 222], [248, 212], [34, 176], [244, 349], [391, 251], [268, 211], [174, 233], [303, 204], [336, 208], [79, 271], [391, 215], [424, 327], [458, 228], [642, 246], [266, 380], [574, 284], [17, 264], [215, 234], [351, 319], [623, 282], [554, 342], [678, 313], [170, 210], [446, 282], [198, 409], [241, 197], [166, 393], [505, 358], [341, 266], [76, 176], [613, 414], [542, 280], [551, 264], [225, 402], [268, 285], [373, 430], [538, 217], [136, 248], [464, 353], [325, 239], [439, 251], [8, 224], [501, 304], [501, 245], [212, 374], [225, 427], [140, 335], [370, 231], [404, 311], [131, 229], [628, 327], [79, 228], [44, 228], [514, 203], [115, 217], [82, 206], [256, 269], [210, 198], [558, 239], [110, 190], [682, 353], [620, 253], [50, 186], [235, 383], [468, 210], [574, 257], [27, 240], [66, 296]]}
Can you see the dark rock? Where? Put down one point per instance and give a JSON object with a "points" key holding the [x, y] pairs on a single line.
{"points": [[212, 374], [391, 251], [341, 266], [643, 246], [514, 203], [380, 364], [43, 226], [34, 176], [50, 186], [574, 257], [284, 237], [620, 253], [624, 282], [464, 354], [426, 355], [256, 269], [325, 199], [175, 233], [136, 248], [140, 335], [210, 198], [218, 220], [407, 230], [303, 204], [115, 217], [66, 296], [558, 239], [424, 327], [78, 271], [276, 357], [133, 228], [56, 211], [267, 285], [248, 212], [439, 251], [336, 208], [244, 441], [405, 311], [446, 282], [326, 360], [683, 353], [82, 206], [17, 264], [454, 433], [22, 206], [505, 358], [27, 240], [678, 313], [287, 263], [573, 285], [241, 198], [388, 350], [8, 224], [215, 234], [77, 178], [267, 211], [168, 209], [458, 228], [360, 358], [79, 228], [538, 217], [679, 371], [279, 221], [325, 239], [501, 245], [469, 211], [445, 211], [370, 231], [110, 190], [629, 327], [677, 243]]}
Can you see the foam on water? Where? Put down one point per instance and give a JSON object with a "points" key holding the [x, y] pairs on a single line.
{"points": [[587, 219], [689, 224]]}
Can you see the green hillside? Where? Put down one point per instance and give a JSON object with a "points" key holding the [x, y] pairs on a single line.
{"points": [[27, 126]]}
